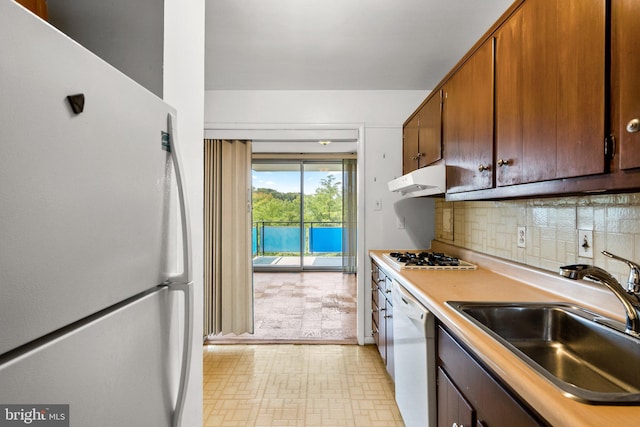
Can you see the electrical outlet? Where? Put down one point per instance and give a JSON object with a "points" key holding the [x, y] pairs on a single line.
{"points": [[585, 243], [447, 220], [522, 237]]}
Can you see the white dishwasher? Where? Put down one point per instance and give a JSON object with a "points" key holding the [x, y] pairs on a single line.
{"points": [[415, 359]]}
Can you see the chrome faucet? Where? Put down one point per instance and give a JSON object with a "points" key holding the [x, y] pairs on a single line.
{"points": [[633, 282], [630, 297]]}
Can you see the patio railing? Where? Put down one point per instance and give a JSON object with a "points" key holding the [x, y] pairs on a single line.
{"points": [[283, 237]]}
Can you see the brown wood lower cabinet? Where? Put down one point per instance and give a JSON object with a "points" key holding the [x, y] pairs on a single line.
{"points": [[453, 409], [382, 315], [468, 395]]}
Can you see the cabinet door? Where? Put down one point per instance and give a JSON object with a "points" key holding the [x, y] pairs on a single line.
{"points": [[375, 304], [382, 327], [581, 87], [430, 131], [453, 409], [539, 88], [550, 77], [389, 339], [468, 123], [375, 321], [410, 145], [509, 101], [626, 79]]}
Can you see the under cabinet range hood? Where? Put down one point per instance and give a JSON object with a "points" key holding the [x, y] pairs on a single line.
{"points": [[426, 181]]}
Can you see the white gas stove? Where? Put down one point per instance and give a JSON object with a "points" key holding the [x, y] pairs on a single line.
{"points": [[426, 260]]}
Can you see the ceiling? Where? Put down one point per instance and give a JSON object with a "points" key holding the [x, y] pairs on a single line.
{"points": [[340, 44]]}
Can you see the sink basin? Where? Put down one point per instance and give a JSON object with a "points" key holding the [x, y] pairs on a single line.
{"points": [[580, 352]]}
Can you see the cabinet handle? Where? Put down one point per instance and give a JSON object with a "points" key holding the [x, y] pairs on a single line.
{"points": [[388, 317], [503, 162], [483, 168], [414, 157], [388, 291], [373, 311], [382, 309], [633, 126]]}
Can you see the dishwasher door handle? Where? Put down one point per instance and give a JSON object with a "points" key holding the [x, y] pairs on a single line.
{"points": [[407, 303]]}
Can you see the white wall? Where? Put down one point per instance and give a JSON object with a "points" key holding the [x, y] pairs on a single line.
{"points": [[383, 162], [184, 90], [381, 114]]}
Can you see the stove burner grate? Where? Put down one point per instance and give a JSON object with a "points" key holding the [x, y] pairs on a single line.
{"points": [[428, 260]]}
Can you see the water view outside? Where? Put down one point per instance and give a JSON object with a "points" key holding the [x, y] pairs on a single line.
{"points": [[297, 215]]}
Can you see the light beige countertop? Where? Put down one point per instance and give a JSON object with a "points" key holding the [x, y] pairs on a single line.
{"points": [[497, 280]]}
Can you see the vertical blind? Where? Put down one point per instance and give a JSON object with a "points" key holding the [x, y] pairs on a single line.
{"points": [[228, 280], [349, 216]]}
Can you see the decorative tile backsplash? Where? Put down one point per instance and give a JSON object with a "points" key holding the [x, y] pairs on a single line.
{"points": [[552, 229]]}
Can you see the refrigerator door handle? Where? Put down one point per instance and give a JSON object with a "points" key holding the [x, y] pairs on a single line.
{"points": [[185, 276], [182, 281], [186, 288]]}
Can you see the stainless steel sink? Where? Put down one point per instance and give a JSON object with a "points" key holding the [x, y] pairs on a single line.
{"points": [[579, 351]]}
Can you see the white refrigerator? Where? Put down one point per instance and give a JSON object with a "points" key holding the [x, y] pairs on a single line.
{"points": [[95, 286]]}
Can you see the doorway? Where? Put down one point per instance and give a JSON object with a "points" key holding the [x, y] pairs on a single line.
{"points": [[300, 292], [298, 215], [287, 144]]}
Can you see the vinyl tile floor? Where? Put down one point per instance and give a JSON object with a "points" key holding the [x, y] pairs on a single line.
{"points": [[301, 307], [297, 385]]}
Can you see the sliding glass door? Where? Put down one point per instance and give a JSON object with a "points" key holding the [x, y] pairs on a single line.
{"points": [[297, 215], [277, 215], [322, 213]]}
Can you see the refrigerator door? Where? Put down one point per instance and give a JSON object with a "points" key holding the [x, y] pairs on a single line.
{"points": [[111, 371], [88, 199]]}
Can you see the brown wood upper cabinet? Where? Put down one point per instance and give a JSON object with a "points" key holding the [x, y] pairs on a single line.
{"points": [[422, 135], [546, 103], [410, 145], [625, 77], [468, 123], [550, 91]]}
